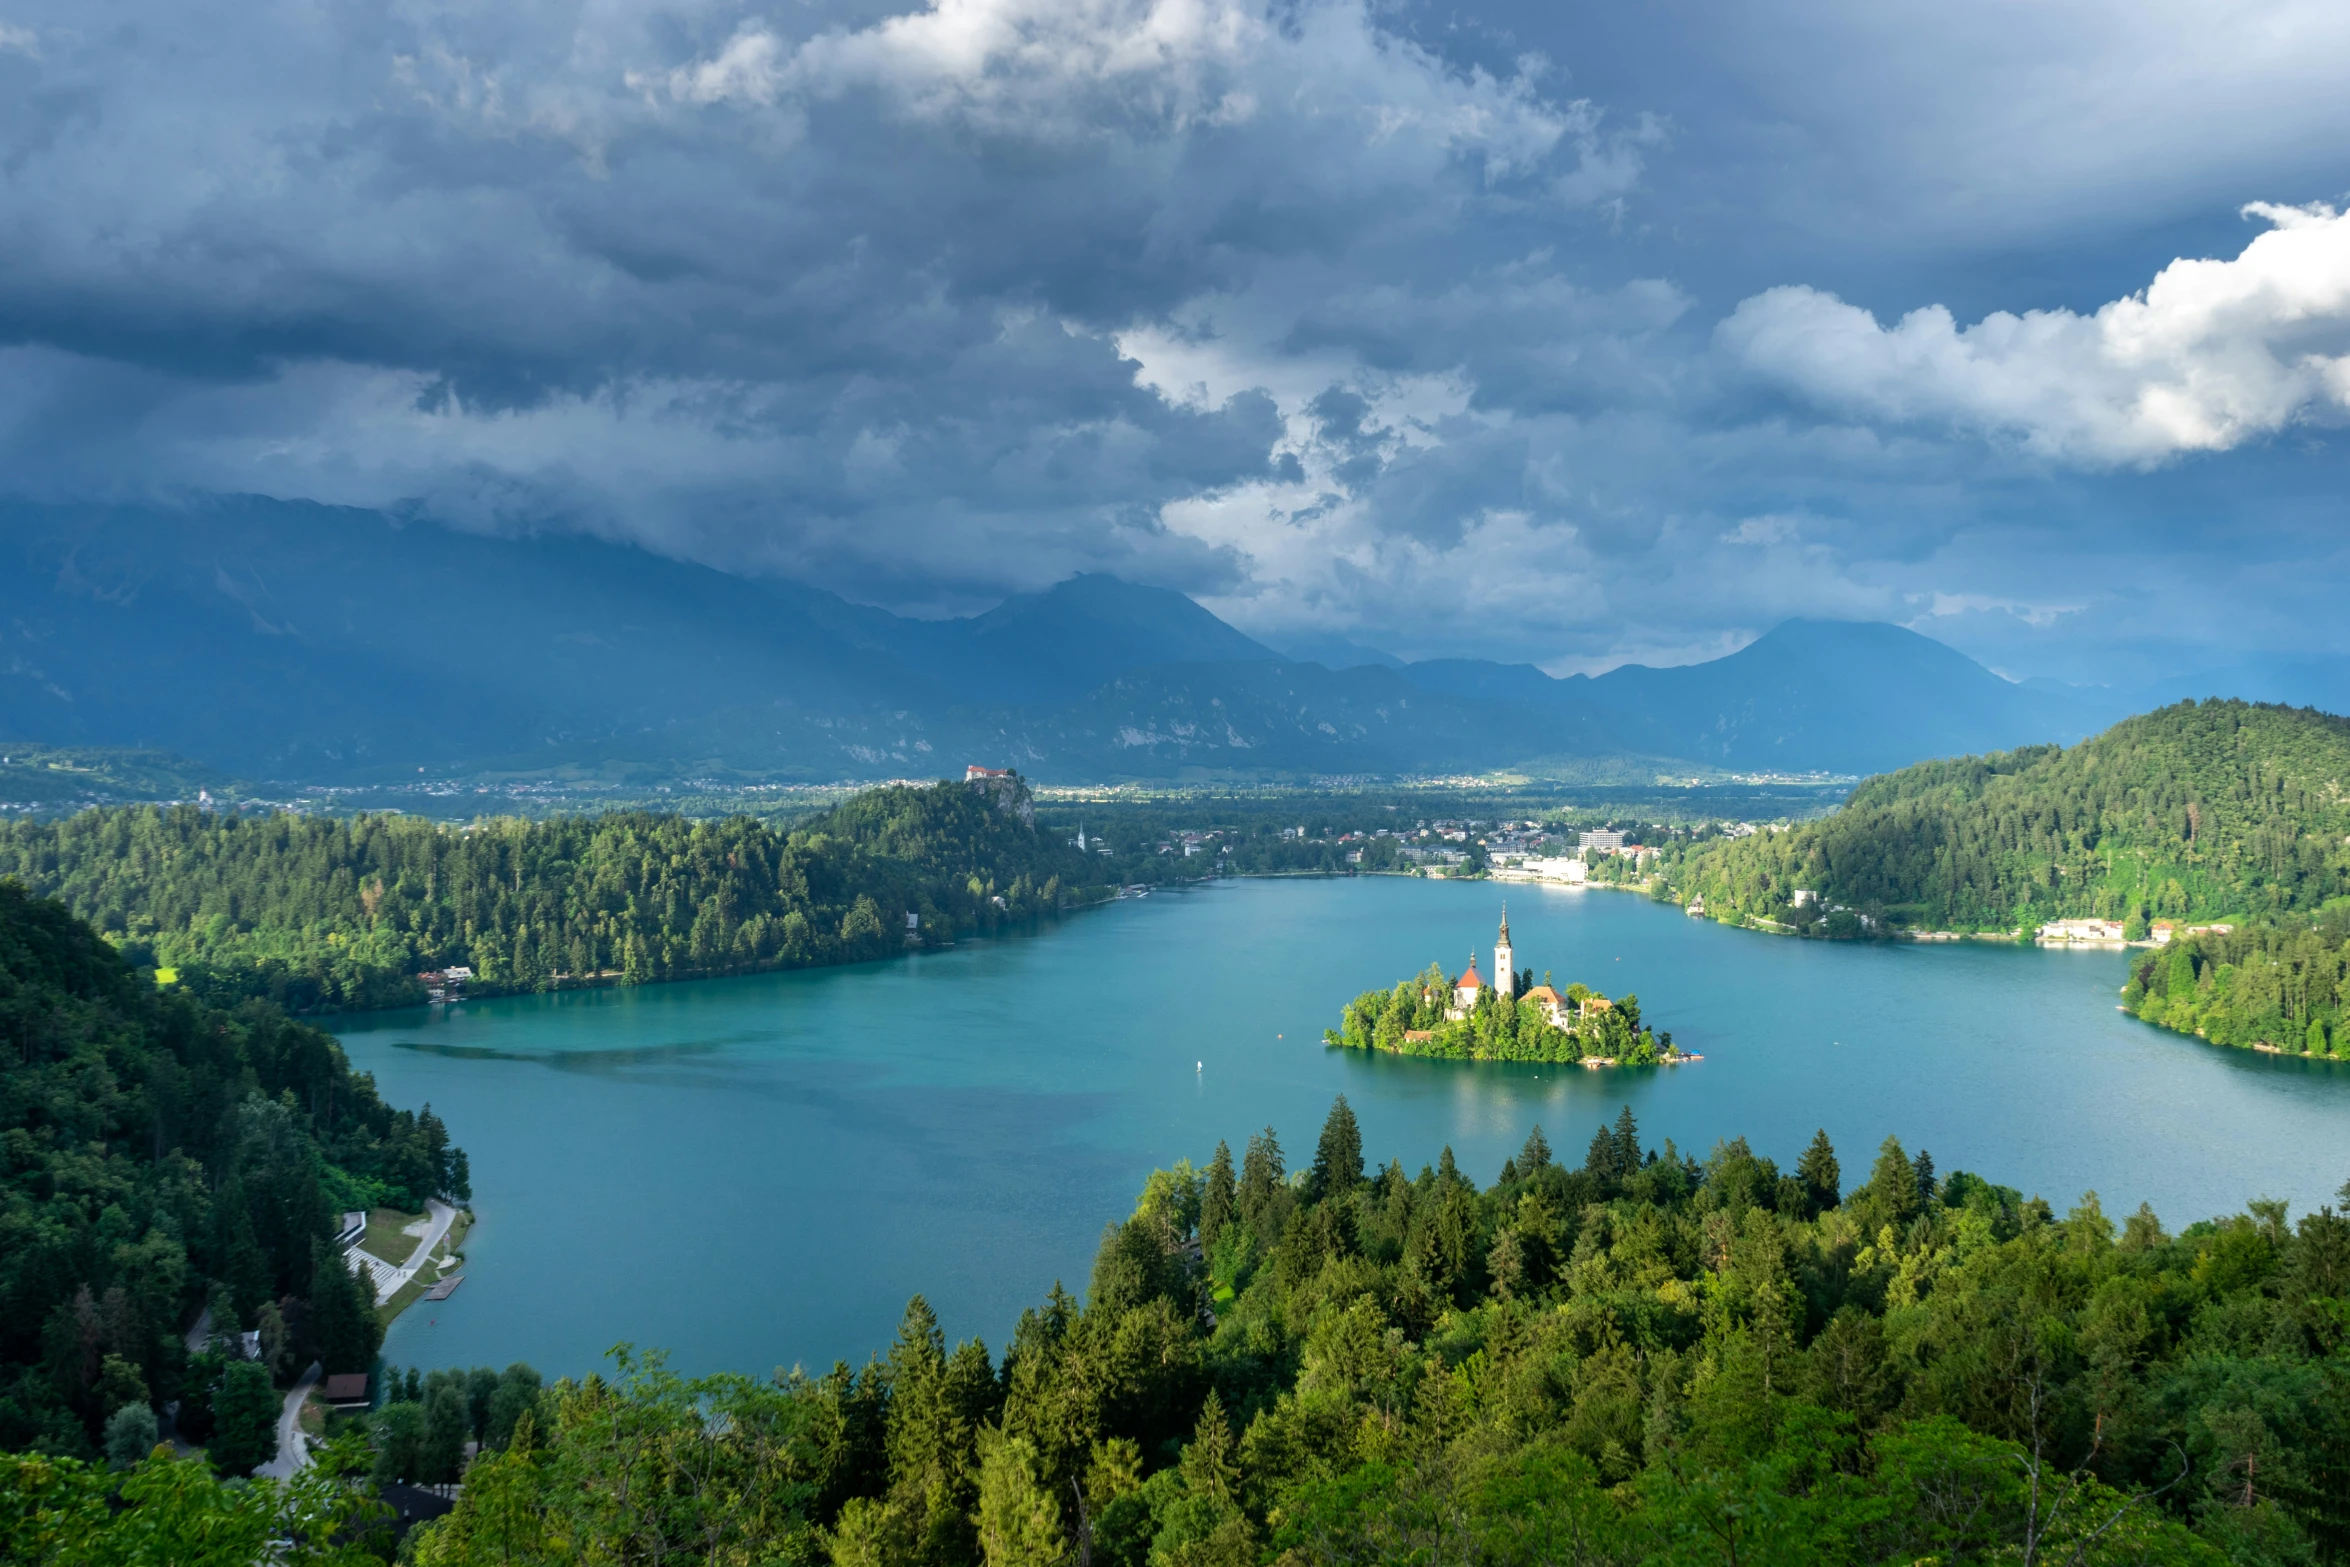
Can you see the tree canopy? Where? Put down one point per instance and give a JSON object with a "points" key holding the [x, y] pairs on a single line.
{"points": [[318, 913], [2197, 811], [157, 1155], [1649, 1358]]}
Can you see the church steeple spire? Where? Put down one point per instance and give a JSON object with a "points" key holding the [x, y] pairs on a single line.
{"points": [[1505, 973]]}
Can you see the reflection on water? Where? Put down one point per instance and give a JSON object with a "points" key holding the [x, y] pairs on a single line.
{"points": [[759, 1171]]}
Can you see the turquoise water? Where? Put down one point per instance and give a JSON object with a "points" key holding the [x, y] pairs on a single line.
{"points": [[757, 1172]]}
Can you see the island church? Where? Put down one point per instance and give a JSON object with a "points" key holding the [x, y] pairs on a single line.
{"points": [[1505, 983]]}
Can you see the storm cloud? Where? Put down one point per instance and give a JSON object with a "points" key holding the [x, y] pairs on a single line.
{"points": [[1490, 332]]}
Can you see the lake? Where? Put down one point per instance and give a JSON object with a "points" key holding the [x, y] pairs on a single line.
{"points": [[757, 1172]]}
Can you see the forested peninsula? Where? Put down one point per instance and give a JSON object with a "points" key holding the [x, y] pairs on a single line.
{"points": [[318, 914], [157, 1156], [1646, 1358], [2200, 811], [2213, 812]]}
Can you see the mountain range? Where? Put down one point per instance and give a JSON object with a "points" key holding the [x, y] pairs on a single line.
{"points": [[306, 643]]}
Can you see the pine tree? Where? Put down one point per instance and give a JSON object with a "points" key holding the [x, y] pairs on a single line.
{"points": [[344, 1332], [1338, 1157], [1209, 1464], [1892, 1192], [1535, 1156], [1627, 1145], [1818, 1172], [1219, 1203], [1261, 1175], [1925, 1172]]}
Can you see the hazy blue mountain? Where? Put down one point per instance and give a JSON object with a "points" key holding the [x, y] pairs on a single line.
{"points": [[1055, 646], [1810, 696], [300, 642], [1837, 696], [1335, 652]]}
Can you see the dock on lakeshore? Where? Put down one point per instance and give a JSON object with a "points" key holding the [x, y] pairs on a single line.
{"points": [[445, 1288]]}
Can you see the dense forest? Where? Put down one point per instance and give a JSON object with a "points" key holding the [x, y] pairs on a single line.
{"points": [[316, 913], [158, 1156], [2283, 986], [1414, 1019], [1646, 1358], [2200, 810]]}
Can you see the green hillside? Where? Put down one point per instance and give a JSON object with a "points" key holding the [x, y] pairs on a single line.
{"points": [[157, 1155], [47, 777], [2198, 811], [317, 913]]}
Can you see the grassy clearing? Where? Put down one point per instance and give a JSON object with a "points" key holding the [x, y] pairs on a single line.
{"points": [[450, 1249], [384, 1238]]}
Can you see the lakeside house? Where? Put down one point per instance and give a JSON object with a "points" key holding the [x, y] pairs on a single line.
{"points": [[2113, 933]]}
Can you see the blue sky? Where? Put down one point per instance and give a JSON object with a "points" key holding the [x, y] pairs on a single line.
{"points": [[1565, 334]]}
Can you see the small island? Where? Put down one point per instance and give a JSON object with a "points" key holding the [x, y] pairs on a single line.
{"points": [[1513, 1019]]}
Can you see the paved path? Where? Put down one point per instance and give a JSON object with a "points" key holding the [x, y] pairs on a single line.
{"points": [[293, 1448], [389, 1284]]}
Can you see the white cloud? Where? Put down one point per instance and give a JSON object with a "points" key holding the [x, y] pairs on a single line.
{"points": [[1948, 606], [2211, 355], [1075, 70]]}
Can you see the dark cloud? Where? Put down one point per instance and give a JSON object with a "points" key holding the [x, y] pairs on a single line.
{"points": [[1453, 332]]}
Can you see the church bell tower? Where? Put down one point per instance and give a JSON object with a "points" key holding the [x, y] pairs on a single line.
{"points": [[1505, 973]]}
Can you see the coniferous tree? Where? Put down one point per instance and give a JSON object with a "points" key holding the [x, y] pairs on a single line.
{"points": [[344, 1331], [1535, 1156], [1338, 1157], [1261, 1175], [1627, 1145], [1925, 1172], [1818, 1172], [1600, 1160], [1220, 1201], [1209, 1461], [1891, 1196]]}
